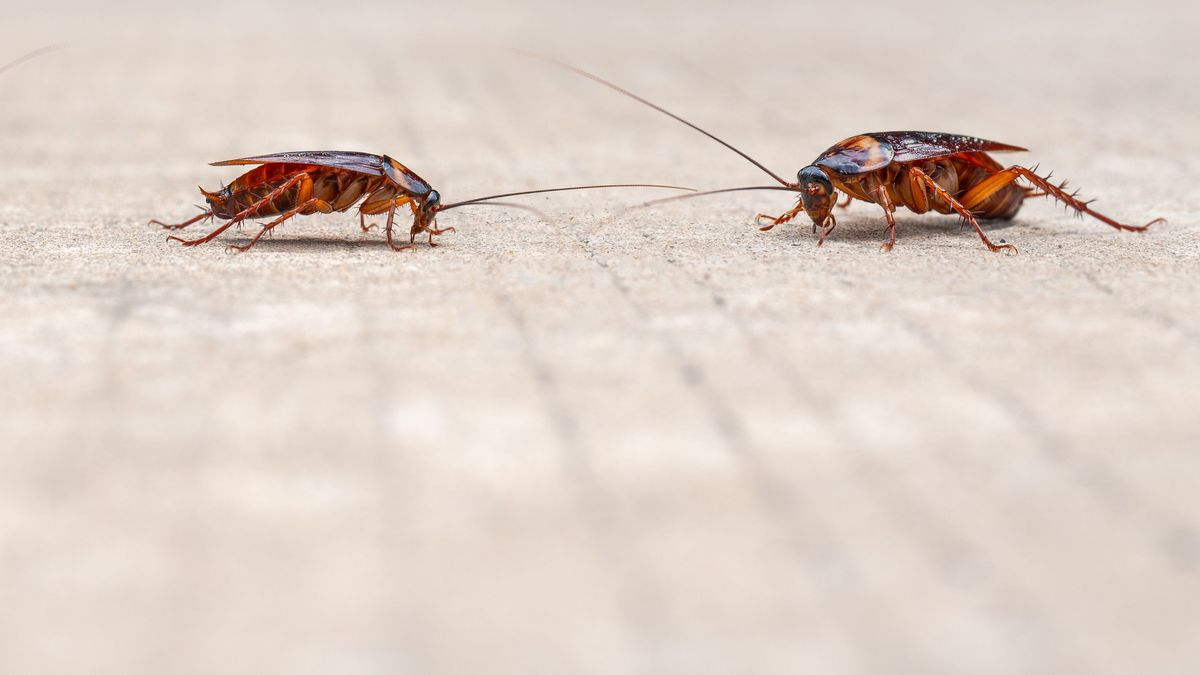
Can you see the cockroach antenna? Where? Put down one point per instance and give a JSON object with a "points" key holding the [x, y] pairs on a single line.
{"points": [[30, 56], [488, 199], [625, 92]]}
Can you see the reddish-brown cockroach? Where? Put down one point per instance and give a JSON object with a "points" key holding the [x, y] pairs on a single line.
{"points": [[289, 184], [919, 170]]}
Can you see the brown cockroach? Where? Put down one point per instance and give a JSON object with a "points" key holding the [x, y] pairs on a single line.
{"points": [[289, 184], [919, 170]]}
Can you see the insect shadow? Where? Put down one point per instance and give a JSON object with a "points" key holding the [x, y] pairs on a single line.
{"points": [[915, 226], [241, 242], [307, 243]]}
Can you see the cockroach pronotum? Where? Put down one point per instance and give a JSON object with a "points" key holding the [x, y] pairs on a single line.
{"points": [[918, 170], [289, 184]]}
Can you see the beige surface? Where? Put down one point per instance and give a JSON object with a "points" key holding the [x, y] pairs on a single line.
{"points": [[657, 443]]}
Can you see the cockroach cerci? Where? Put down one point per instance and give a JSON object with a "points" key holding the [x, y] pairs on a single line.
{"points": [[919, 170], [289, 184]]}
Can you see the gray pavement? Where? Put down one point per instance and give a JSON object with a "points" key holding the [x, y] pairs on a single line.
{"points": [[652, 442]]}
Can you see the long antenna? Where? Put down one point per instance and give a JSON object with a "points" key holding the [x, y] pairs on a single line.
{"points": [[509, 205], [600, 80], [676, 198], [30, 56], [480, 200]]}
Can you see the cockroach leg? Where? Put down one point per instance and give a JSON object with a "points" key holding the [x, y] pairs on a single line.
{"points": [[885, 201], [987, 188], [391, 220], [777, 220], [435, 231], [961, 210], [846, 204], [362, 223], [180, 226], [827, 229], [247, 212], [314, 203], [207, 238]]}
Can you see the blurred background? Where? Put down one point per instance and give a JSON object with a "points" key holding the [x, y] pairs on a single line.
{"points": [[656, 441]]}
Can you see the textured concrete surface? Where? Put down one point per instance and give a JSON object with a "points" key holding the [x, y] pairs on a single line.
{"points": [[654, 442]]}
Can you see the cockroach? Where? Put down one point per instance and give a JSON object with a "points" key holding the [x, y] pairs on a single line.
{"points": [[289, 184], [919, 170]]}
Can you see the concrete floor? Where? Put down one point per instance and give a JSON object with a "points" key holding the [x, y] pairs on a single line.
{"points": [[651, 442]]}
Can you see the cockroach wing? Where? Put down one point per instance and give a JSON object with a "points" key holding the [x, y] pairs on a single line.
{"points": [[871, 152], [912, 146], [857, 154], [359, 162]]}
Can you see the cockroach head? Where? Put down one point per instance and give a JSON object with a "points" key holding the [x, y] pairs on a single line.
{"points": [[433, 201], [812, 180], [816, 193]]}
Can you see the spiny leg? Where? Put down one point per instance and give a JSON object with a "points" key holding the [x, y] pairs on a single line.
{"points": [[416, 229], [211, 235], [247, 212], [827, 229], [436, 231], [362, 223], [179, 226], [318, 204], [421, 223], [778, 220], [961, 210], [885, 201], [978, 194], [390, 222]]}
